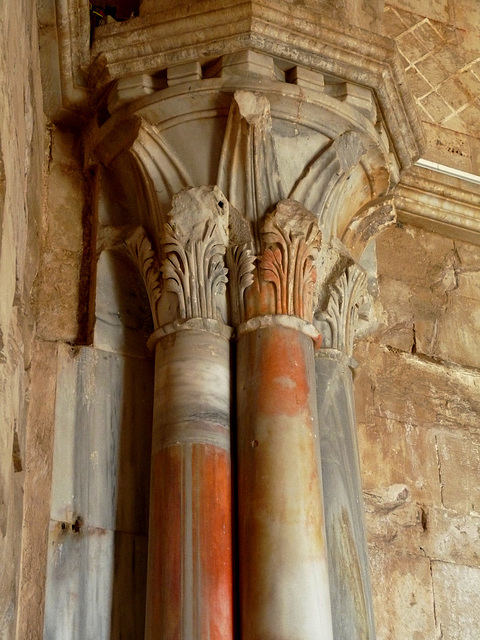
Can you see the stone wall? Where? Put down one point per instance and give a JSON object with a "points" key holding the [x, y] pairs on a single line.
{"points": [[418, 399], [21, 200]]}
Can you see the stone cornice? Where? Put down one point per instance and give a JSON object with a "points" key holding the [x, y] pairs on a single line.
{"points": [[441, 203], [291, 33]]}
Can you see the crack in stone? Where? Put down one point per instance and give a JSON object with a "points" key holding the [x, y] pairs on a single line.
{"points": [[439, 465]]}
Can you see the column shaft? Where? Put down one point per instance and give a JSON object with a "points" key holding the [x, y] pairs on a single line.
{"points": [[284, 590], [342, 486], [189, 593]]}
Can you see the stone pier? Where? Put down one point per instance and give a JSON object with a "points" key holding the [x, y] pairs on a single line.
{"points": [[257, 145]]}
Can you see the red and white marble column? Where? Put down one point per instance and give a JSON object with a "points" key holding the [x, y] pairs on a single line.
{"points": [[284, 588], [189, 590]]}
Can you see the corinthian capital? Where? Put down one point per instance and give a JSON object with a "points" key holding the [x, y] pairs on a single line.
{"points": [[339, 322], [190, 280], [195, 241], [285, 275]]}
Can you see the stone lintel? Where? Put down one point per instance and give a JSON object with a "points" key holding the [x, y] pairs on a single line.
{"points": [[441, 203]]}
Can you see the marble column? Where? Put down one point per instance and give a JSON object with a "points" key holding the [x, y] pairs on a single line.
{"points": [[284, 589], [352, 608], [189, 583]]}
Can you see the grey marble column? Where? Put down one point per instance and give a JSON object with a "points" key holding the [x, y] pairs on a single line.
{"points": [[352, 610], [189, 576], [346, 542]]}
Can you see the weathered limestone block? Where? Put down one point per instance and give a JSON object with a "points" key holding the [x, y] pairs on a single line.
{"points": [[413, 528], [452, 538], [418, 398], [394, 521], [456, 600], [468, 270], [61, 303], [21, 199], [459, 469], [395, 314], [36, 455], [57, 295], [456, 335], [411, 450], [355, 11], [407, 389], [426, 255], [408, 609], [430, 303]]}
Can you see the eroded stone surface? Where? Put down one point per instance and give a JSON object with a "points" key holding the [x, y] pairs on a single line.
{"points": [[407, 610], [21, 196], [61, 305], [418, 400], [456, 600]]}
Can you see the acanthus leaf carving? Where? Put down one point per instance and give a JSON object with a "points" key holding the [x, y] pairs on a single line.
{"points": [[340, 320], [241, 266], [291, 240], [142, 252], [194, 247]]}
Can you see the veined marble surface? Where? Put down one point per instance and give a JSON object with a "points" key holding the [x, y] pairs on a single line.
{"points": [[98, 532]]}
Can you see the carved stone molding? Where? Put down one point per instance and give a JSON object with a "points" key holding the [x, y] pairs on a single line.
{"points": [[441, 203], [368, 223], [327, 170], [295, 34], [271, 151], [64, 40]]}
